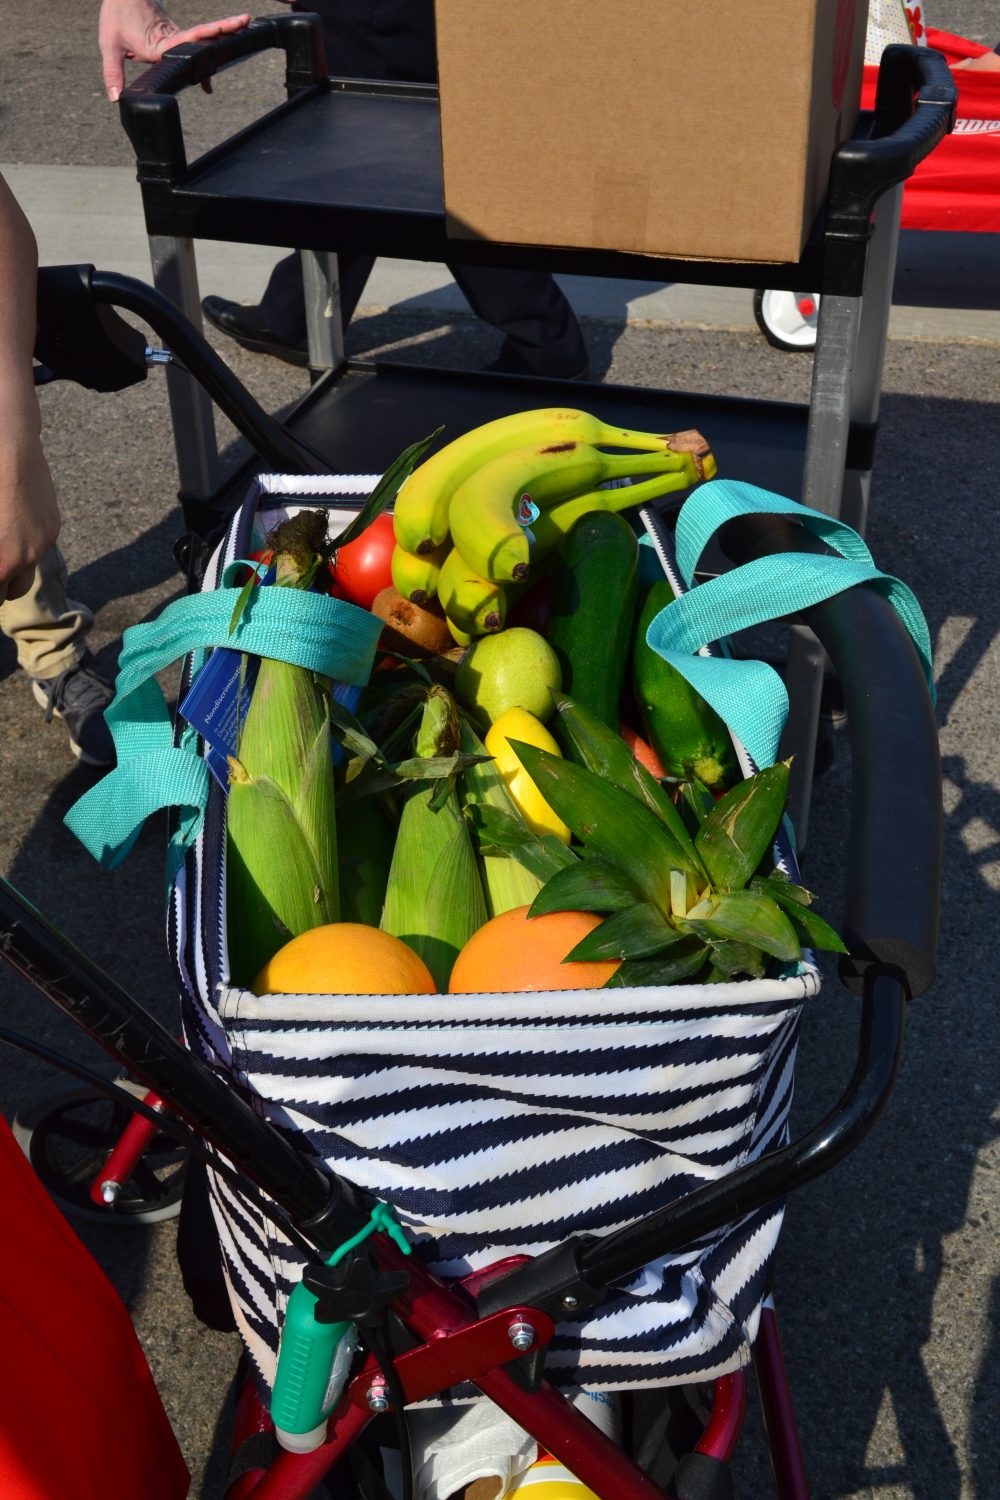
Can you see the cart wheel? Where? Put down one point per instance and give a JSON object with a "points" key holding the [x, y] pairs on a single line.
{"points": [[787, 319], [67, 1131]]}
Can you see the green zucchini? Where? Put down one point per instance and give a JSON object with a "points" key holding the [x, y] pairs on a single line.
{"points": [[687, 734], [595, 582]]}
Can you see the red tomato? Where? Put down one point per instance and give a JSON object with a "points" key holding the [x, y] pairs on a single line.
{"points": [[364, 567]]}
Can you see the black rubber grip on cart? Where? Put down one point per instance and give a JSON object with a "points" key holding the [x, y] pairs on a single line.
{"points": [[892, 900], [76, 339], [914, 110], [300, 37], [892, 897], [148, 107]]}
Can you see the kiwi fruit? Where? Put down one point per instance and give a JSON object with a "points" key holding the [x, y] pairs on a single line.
{"points": [[411, 629]]}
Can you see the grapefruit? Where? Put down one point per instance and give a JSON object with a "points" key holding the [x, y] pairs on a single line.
{"points": [[512, 953], [344, 958]]}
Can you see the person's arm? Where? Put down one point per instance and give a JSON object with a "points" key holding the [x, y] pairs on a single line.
{"points": [[987, 62], [142, 30], [29, 513]]}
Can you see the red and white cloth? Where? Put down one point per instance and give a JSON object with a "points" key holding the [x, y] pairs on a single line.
{"points": [[957, 187]]}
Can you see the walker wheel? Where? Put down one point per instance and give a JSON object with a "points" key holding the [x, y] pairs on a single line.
{"points": [[67, 1130], [787, 319]]}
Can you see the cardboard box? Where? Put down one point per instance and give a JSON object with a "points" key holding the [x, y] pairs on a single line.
{"points": [[699, 129]]}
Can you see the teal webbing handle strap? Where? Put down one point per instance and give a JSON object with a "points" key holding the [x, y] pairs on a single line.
{"points": [[749, 695], [327, 636]]}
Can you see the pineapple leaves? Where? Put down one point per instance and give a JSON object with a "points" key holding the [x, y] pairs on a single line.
{"points": [[794, 901], [730, 959], [746, 917], [585, 885], [638, 932], [740, 828], [597, 748], [503, 833], [610, 823], [696, 801], [682, 961]]}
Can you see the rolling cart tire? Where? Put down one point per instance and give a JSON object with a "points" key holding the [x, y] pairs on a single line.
{"points": [[67, 1130], [787, 319]]}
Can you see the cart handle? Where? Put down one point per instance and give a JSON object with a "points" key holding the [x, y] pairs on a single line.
{"points": [[149, 110], [273, 443], [327, 1209], [915, 106]]}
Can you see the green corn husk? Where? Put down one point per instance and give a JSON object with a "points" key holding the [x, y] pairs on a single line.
{"points": [[506, 882], [282, 875], [366, 836], [434, 899]]}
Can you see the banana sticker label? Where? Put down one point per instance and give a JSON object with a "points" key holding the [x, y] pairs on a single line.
{"points": [[527, 511]]}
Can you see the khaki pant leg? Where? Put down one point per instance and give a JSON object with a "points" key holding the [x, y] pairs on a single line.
{"points": [[47, 628]]}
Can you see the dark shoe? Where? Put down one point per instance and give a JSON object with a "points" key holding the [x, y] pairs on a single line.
{"points": [[79, 695], [243, 324]]}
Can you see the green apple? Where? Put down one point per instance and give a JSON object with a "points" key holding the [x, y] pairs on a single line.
{"points": [[515, 668]]}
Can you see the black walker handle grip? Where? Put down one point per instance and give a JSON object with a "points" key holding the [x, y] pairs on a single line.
{"points": [[891, 907], [892, 898]]}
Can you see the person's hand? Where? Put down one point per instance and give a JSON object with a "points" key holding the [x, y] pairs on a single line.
{"points": [[142, 30], [987, 62], [29, 511]]}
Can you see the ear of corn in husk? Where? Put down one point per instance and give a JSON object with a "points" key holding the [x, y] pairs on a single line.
{"points": [[506, 882], [434, 899], [282, 875], [365, 839]]}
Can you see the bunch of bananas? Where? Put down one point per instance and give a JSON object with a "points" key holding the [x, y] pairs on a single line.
{"points": [[479, 516]]}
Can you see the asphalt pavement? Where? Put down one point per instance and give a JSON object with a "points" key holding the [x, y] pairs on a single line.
{"points": [[888, 1281]]}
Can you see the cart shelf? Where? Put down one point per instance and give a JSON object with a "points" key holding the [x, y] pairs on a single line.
{"points": [[363, 415]]}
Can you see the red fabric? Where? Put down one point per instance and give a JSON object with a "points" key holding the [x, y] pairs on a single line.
{"points": [[958, 186], [80, 1416]]}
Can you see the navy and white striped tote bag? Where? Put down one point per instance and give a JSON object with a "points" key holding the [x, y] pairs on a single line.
{"points": [[500, 1124]]}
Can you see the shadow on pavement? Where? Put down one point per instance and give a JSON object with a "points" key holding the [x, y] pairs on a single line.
{"points": [[456, 337]]}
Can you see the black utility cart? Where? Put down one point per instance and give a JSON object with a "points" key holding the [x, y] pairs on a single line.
{"points": [[374, 184]]}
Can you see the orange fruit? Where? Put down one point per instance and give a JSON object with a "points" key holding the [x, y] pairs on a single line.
{"points": [[511, 953], [344, 958]]}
